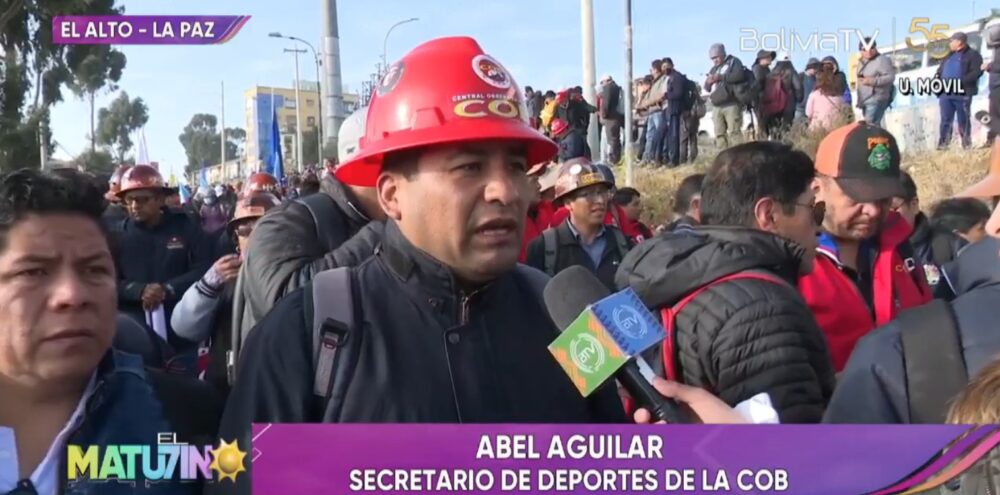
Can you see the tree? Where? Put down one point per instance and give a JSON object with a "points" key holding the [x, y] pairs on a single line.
{"points": [[97, 162], [117, 123], [97, 70], [201, 141], [33, 64]]}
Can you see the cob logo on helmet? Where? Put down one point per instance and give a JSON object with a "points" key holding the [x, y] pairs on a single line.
{"points": [[485, 105], [591, 178], [491, 72], [391, 78]]}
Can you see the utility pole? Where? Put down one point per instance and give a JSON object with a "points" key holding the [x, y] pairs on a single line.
{"points": [[627, 89], [298, 112], [334, 104], [589, 72]]}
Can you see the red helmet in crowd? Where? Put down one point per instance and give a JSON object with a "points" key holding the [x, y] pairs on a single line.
{"points": [[142, 177], [115, 182], [254, 205], [559, 126], [261, 182], [444, 91]]}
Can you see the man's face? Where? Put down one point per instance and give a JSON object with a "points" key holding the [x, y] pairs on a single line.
{"points": [[589, 205], [655, 71], [57, 284], [797, 222], [633, 210], [867, 54], [846, 218], [765, 62], [144, 205], [908, 209], [534, 190], [956, 45], [718, 60], [464, 205]]}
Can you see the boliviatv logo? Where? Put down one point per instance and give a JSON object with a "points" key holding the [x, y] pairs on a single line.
{"points": [[167, 460]]}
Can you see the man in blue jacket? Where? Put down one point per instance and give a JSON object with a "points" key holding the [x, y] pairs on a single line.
{"points": [[963, 64], [60, 383]]}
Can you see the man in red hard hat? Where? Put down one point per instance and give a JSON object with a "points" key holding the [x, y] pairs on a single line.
{"points": [[453, 328], [161, 252]]}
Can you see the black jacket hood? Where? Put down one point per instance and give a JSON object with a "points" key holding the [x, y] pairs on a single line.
{"points": [[977, 265], [664, 269]]}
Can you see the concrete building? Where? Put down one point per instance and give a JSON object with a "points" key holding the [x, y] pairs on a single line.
{"points": [[259, 102]]}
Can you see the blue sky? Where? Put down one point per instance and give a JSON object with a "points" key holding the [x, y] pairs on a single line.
{"points": [[537, 40]]}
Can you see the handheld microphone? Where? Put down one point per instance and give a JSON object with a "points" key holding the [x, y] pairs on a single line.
{"points": [[603, 335]]}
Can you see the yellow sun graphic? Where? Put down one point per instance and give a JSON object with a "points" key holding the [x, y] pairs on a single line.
{"points": [[227, 460]]}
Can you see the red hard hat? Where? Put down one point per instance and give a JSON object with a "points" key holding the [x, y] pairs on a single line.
{"points": [[444, 91], [260, 182], [559, 126], [254, 205], [115, 182], [141, 177]]}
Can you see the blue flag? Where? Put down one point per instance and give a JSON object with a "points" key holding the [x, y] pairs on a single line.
{"points": [[275, 164], [203, 175]]}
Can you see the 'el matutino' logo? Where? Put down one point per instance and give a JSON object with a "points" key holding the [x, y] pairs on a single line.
{"points": [[167, 460]]}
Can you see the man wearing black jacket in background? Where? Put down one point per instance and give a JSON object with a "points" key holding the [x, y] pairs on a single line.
{"points": [[611, 95], [672, 109], [287, 247]]}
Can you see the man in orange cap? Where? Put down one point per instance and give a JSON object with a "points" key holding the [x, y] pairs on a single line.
{"points": [[909, 370], [448, 326]]}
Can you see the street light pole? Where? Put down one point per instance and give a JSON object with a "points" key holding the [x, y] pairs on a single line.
{"points": [[627, 90], [319, 92], [298, 112], [385, 42]]}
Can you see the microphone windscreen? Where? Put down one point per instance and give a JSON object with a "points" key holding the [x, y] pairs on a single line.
{"points": [[569, 292]]}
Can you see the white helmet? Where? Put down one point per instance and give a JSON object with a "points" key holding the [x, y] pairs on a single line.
{"points": [[350, 134]]}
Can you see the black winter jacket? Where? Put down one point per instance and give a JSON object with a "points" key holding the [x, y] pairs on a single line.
{"points": [[428, 352], [872, 388], [569, 253], [733, 78], [574, 145], [933, 248], [175, 254], [285, 250], [972, 69], [742, 337]]}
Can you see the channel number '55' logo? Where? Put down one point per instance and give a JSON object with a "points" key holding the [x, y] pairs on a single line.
{"points": [[936, 41]]}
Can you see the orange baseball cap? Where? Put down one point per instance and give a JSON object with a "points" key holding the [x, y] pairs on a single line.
{"points": [[864, 160]]}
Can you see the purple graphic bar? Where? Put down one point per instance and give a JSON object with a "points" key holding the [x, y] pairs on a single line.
{"points": [[146, 29], [815, 459]]}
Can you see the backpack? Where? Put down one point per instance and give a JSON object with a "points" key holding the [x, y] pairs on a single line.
{"points": [[550, 238], [693, 102], [669, 314], [775, 97], [335, 312], [934, 363], [748, 91], [329, 223]]}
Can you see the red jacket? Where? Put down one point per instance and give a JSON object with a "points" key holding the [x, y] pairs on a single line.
{"points": [[533, 227], [837, 303], [629, 228]]}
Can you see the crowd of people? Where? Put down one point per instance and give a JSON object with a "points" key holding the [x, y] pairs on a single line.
{"points": [[408, 287]]}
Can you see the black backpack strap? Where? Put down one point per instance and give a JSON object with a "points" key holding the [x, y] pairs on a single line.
{"points": [[333, 318], [327, 217], [550, 240], [935, 363]]}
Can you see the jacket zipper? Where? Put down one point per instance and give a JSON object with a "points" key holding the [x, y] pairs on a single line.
{"points": [[63, 468]]}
